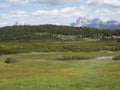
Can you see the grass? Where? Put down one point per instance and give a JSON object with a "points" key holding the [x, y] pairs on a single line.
{"points": [[42, 71], [36, 46], [57, 55]]}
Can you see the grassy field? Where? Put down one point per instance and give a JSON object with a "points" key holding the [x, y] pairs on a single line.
{"points": [[36, 46], [44, 71]]}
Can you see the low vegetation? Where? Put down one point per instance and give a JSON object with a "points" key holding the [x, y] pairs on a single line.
{"points": [[11, 60], [43, 71], [117, 57], [74, 57], [35, 46], [57, 58]]}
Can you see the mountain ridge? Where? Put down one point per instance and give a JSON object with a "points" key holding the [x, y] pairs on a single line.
{"points": [[96, 23]]}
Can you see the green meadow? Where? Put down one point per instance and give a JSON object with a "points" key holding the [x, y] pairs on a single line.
{"points": [[47, 71], [51, 57]]}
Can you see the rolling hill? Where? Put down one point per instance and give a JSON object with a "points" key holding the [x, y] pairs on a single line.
{"points": [[54, 33]]}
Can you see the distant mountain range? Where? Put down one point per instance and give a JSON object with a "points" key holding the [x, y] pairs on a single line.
{"points": [[96, 23]]}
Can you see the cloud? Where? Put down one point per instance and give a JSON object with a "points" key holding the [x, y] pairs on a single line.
{"points": [[4, 5], [52, 16], [69, 11], [42, 2], [17, 14], [107, 14], [14, 16], [92, 3], [18, 1], [3, 24], [62, 16], [103, 9], [3, 16], [106, 3], [56, 16], [10, 3], [114, 3]]}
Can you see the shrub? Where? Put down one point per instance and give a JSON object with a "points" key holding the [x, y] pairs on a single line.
{"points": [[11, 60], [116, 58], [118, 40], [74, 57]]}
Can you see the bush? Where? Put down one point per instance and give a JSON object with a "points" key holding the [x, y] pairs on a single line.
{"points": [[11, 60], [74, 57], [118, 40], [116, 58]]}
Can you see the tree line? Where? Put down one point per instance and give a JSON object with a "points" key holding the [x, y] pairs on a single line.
{"points": [[51, 32]]}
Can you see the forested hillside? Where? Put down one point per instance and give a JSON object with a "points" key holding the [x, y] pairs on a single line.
{"points": [[54, 33]]}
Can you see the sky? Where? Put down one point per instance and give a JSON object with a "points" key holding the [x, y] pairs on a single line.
{"points": [[59, 12]]}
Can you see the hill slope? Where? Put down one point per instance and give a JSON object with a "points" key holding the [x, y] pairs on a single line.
{"points": [[54, 33]]}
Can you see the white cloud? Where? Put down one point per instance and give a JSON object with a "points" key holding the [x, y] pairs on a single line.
{"points": [[107, 14], [3, 5], [3, 16], [104, 9], [14, 16], [18, 1], [63, 16], [107, 3], [69, 11], [17, 14], [42, 2], [3, 24], [115, 3]]}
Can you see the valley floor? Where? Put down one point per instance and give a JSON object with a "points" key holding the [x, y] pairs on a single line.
{"points": [[44, 71]]}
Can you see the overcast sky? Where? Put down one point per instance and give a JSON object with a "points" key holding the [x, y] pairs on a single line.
{"points": [[61, 12]]}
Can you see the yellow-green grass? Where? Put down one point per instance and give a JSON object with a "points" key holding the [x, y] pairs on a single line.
{"points": [[57, 55], [35, 71], [82, 46]]}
